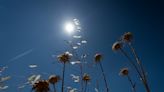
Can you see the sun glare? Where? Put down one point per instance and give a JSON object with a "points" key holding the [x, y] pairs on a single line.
{"points": [[69, 27]]}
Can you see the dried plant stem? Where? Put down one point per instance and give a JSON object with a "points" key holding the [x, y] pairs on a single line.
{"points": [[141, 67], [62, 88], [136, 68], [85, 86], [131, 62], [137, 59], [132, 84], [102, 70], [146, 86], [54, 87]]}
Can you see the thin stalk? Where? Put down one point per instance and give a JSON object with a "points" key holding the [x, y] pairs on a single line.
{"points": [[141, 67], [62, 88], [102, 70], [54, 87], [85, 89], [131, 62], [146, 87], [137, 59], [136, 68], [133, 85]]}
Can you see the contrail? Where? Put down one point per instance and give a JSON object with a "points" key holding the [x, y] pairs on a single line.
{"points": [[21, 55], [18, 56]]}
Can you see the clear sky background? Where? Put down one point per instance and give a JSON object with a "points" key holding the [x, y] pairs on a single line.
{"points": [[31, 31]]}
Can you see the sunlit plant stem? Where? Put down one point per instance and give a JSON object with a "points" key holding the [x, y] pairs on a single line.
{"points": [[136, 68], [140, 66]]}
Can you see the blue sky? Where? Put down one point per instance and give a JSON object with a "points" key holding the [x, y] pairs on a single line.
{"points": [[34, 28]]}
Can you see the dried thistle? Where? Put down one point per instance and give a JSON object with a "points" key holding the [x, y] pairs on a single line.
{"points": [[98, 57], [63, 58], [86, 77], [53, 79], [41, 86], [127, 37], [124, 72], [116, 46]]}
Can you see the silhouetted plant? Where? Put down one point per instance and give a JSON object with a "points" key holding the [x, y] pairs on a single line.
{"points": [[53, 79], [117, 46], [125, 72], [127, 38], [64, 58], [86, 79], [41, 86], [98, 58]]}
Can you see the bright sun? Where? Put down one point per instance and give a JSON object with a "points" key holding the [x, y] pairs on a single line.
{"points": [[69, 27]]}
